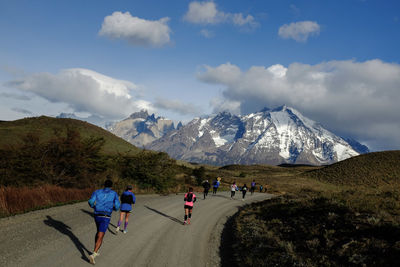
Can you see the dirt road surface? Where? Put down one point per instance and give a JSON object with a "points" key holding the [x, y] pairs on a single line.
{"points": [[64, 236]]}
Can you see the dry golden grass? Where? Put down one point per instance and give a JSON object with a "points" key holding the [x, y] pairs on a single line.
{"points": [[14, 200]]}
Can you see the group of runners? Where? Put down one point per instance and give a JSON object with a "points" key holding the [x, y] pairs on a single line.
{"points": [[105, 200]]}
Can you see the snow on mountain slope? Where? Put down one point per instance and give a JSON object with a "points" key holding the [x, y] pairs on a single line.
{"points": [[281, 135]]}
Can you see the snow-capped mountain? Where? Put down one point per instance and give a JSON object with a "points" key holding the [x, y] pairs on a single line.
{"points": [[281, 135], [140, 128]]}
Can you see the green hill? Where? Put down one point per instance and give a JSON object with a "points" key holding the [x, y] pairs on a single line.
{"points": [[75, 154], [46, 128], [372, 169]]}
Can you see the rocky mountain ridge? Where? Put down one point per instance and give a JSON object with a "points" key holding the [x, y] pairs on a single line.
{"points": [[281, 135], [140, 128]]}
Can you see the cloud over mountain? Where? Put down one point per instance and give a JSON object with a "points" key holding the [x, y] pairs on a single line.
{"points": [[135, 30], [359, 99], [84, 91], [177, 106]]}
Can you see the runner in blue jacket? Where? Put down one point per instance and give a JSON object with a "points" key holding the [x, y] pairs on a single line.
{"points": [[104, 201], [127, 200]]}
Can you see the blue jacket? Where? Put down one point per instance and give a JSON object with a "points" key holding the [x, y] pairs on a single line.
{"points": [[127, 199], [104, 201]]}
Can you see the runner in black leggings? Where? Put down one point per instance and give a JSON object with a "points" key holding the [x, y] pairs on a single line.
{"points": [[244, 191]]}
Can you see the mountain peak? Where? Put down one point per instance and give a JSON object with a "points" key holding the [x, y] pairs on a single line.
{"points": [[281, 108], [143, 114]]}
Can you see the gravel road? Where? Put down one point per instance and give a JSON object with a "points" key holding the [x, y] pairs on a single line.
{"points": [[64, 236]]}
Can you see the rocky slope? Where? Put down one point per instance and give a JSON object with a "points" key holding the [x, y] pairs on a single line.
{"points": [[141, 129], [281, 135]]}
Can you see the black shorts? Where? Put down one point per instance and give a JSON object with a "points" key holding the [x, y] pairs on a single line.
{"points": [[188, 207], [127, 211]]}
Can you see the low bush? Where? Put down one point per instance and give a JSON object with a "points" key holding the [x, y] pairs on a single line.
{"points": [[313, 232]]}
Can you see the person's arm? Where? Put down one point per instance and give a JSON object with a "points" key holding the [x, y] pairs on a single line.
{"points": [[194, 199], [92, 200], [117, 204]]}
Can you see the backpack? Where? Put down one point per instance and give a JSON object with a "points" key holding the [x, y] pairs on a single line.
{"points": [[189, 197]]}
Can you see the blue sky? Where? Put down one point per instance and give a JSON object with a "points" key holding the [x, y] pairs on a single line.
{"points": [[337, 62]]}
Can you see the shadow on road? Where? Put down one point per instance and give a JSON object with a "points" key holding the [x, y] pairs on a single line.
{"points": [[165, 215], [66, 230], [88, 212]]}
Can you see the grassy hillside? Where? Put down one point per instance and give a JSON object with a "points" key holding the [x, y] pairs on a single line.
{"points": [[345, 214], [372, 169], [46, 128]]}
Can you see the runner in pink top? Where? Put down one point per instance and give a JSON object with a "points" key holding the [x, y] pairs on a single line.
{"points": [[189, 199]]}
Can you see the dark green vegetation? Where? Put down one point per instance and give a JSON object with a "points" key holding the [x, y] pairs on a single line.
{"points": [[346, 214], [44, 128], [313, 232], [74, 154]]}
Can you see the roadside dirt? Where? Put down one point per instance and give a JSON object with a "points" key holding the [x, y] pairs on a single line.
{"points": [[64, 236]]}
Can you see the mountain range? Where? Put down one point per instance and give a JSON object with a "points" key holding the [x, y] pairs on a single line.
{"points": [[270, 136]]}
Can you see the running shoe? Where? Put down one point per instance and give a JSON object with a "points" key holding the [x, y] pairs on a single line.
{"points": [[91, 258], [117, 230], [184, 222], [188, 221], [125, 231]]}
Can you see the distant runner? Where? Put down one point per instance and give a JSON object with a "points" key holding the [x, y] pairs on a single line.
{"points": [[234, 188], [215, 186], [206, 186], [127, 200], [253, 187], [189, 199], [103, 201], [244, 191], [261, 188]]}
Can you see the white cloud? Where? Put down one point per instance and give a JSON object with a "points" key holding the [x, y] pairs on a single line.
{"points": [[177, 106], [84, 91], [135, 30], [358, 99], [207, 13], [240, 20], [203, 13], [299, 31]]}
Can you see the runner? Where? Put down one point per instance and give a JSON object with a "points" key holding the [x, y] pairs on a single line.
{"points": [[103, 201], [215, 186], [234, 188], [206, 186], [189, 199], [261, 188], [127, 200], [253, 187], [244, 191]]}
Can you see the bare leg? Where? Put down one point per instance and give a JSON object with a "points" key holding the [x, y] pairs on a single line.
{"points": [[99, 241], [186, 214], [190, 216], [126, 220]]}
